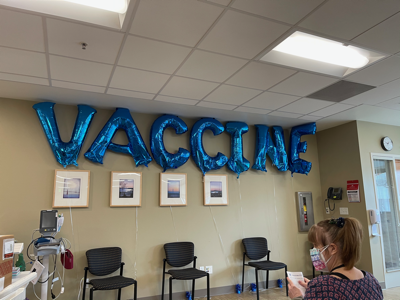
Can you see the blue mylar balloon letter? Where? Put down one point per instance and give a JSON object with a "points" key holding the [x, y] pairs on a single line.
{"points": [[200, 157], [65, 153], [165, 159], [296, 164], [237, 163], [121, 119], [265, 146]]}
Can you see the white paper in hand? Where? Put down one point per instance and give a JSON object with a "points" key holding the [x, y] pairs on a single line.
{"points": [[295, 277]]}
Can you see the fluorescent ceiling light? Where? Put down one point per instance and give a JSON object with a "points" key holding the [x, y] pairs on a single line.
{"points": [[119, 6], [320, 49]]}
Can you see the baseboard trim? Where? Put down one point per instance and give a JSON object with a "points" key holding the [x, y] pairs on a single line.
{"points": [[230, 289]]}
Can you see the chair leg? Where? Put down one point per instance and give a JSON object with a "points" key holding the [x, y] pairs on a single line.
{"points": [[267, 281], [163, 282], [135, 292], [170, 288], [193, 289], [119, 294], [287, 288], [208, 286], [243, 280], [258, 294], [91, 294]]}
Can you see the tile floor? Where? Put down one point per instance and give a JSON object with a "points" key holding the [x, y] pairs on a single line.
{"points": [[279, 294]]}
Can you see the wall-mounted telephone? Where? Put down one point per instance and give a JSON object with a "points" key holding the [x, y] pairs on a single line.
{"points": [[334, 193]]}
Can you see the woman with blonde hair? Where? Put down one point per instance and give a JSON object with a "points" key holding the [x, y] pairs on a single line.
{"points": [[337, 248]]}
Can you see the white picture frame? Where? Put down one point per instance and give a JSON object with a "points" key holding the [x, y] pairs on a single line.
{"points": [[173, 189], [71, 188], [216, 190], [126, 189]]}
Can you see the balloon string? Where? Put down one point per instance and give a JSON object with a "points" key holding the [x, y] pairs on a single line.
{"points": [[173, 222], [136, 239], [241, 208], [276, 218], [222, 245]]}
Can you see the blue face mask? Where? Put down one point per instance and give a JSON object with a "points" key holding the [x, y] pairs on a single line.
{"points": [[318, 260]]}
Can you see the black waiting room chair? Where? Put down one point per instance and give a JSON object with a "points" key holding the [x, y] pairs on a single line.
{"points": [[257, 248], [180, 254], [104, 261]]}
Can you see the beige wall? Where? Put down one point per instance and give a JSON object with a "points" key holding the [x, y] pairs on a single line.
{"points": [[260, 204], [339, 160], [370, 135]]}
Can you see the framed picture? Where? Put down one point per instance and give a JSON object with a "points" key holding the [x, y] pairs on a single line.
{"points": [[126, 189], [71, 188], [173, 190], [216, 190]]}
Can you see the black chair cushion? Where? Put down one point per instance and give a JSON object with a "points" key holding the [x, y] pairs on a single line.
{"points": [[112, 283], [179, 254], [104, 261], [185, 274], [267, 265]]}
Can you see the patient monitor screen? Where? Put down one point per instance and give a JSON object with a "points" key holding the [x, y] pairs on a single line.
{"points": [[48, 221]]}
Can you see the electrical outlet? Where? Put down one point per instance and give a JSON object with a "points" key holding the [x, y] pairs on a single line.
{"points": [[344, 210], [201, 268], [327, 210], [209, 269], [87, 280]]}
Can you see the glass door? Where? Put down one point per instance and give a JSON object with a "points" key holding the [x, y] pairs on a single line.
{"points": [[387, 187]]}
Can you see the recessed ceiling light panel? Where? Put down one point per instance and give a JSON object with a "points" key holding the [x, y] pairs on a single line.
{"points": [[313, 53], [118, 6], [317, 48]]}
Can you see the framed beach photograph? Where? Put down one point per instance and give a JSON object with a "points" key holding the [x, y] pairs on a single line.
{"points": [[173, 190], [216, 190], [126, 189], [71, 188]]}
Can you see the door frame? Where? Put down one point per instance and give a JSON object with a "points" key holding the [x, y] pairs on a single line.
{"points": [[395, 192]]}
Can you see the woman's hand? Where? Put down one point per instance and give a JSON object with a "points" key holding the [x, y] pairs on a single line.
{"points": [[293, 290], [305, 283]]}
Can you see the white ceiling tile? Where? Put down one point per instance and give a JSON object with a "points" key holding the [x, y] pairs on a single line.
{"points": [[303, 84], [216, 105], [25, 79], [79, 71], [331, 110], [221, 2], [176, 100], [379, 73], [20, 30], [77, 86], [290, 11], [382, 93], [137, 80], [242, 35], [383, 37], [253, 110], [271, 101], [260, 76], [231, 95], [347, 19], [188, 88], [130, 94], [310, 118], [152, 55], [392, 103], [285, 114], [175, 21], [66, 38], [305, 106], [210, 66], [22, 62]]}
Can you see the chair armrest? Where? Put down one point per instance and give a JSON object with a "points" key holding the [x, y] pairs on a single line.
{"points": [[122, 268], [86, 268], [268, 252], [194, 261]]}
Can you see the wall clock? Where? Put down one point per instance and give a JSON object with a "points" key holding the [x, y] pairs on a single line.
{"points": [[387, 143]]}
